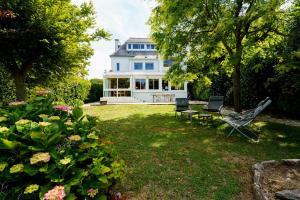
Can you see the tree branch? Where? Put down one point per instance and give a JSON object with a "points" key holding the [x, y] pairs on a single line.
{"points": [[227, 47]]}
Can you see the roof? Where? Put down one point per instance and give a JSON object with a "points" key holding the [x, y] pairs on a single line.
{"points": [[139, 40], [122, 52]]}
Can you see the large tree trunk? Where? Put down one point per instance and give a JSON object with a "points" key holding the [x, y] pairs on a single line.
{"points": [[19, 79], [237, 88], [237, 79]]}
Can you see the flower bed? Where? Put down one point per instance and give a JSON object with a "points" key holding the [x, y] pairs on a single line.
{"points": [[53, 151]]}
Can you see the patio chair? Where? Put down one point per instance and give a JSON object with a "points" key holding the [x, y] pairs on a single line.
{"points": [[215, 104], [240, 122], [182, 104]]}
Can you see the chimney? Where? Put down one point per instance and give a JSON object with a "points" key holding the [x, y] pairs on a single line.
{"points": [[117, 44]]}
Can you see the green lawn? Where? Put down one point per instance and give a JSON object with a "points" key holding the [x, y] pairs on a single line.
{"points": [[170, 158]]}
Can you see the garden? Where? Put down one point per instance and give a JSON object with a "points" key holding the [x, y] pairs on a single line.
{"points": [[53, 147]]}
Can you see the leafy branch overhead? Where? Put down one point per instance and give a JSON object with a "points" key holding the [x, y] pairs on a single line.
{"points": [[207, 35], [46, 40]]}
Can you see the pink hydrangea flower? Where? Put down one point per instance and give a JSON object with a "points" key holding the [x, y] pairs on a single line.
{"points": [[62, 108], [57, 193], [92, 192]]}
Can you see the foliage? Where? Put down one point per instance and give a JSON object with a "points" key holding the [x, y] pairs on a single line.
{"points": [[51, 150], [71, 90], [7, 90], [46, 40], [96, 90], [203, 32]]}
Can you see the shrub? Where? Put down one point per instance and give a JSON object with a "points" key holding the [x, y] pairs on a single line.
{"points": [[48, 150], [72, 90], [96, 90], [7, 89]]}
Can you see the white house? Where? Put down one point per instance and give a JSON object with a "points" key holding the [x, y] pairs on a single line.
{"points": [[137, 75]]}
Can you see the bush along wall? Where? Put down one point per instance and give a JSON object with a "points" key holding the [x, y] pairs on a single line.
{"points": [[53, 152], [96, 90]]}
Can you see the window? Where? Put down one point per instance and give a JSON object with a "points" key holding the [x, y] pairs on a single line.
{"points": [[165, 85], [118, 66], [136, 46], [153, 84], [138, 66], [112, 83], [129, 46], [168, 63], [124, 83], [140, 84], [152, 46], [149, 66], [142, 46], [177, 86]]}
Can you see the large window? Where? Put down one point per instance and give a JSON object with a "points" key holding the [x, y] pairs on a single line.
{"points": [[149, 66], [112, 83], [153, 84], [140, 84], [165, 85], [135, 46], [124, 83], [138, 66], [177, 86]]}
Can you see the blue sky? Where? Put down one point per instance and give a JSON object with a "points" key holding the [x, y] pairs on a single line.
{"points": [[121, 18]]}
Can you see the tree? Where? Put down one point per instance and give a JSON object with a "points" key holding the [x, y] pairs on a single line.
{"points": [[208, 34], [96, 90], [45, 40]]}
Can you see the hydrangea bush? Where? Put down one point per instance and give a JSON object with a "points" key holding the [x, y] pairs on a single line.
{"points": [[53, 152]]}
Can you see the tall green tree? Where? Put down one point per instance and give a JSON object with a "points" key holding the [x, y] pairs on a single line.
{"points": [[202, 32], [44, 40]]}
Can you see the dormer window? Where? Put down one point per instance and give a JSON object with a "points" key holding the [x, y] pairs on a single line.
{"points": [[140, 46], [136, 46]]}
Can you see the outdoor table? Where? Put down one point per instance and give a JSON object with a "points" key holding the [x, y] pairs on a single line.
{"points": [[190, 113], [205, 117]]}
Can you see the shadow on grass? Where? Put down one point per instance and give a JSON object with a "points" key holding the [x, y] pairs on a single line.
{"points": [[169, 158]]}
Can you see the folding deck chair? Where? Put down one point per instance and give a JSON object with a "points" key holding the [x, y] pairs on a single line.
{"points": [[182, 104], [240, 121], [215, 104]]}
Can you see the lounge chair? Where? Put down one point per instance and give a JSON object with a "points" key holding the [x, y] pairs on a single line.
{"points": [[215, 104], [240, 121], [182, 104]]}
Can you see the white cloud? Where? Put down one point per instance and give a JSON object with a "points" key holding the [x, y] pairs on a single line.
{"points": [[123, 19]]}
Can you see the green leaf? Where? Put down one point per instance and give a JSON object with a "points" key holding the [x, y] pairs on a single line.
{"points": [[77, 113], [6, 144], [37, 136], [105, 169], [70, 196], [103, 179], [102, 197], [76, 179], [30, 170]]}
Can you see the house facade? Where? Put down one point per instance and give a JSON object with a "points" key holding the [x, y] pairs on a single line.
{"points": [[137, 75]]}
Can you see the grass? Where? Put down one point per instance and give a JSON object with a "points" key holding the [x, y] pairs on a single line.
{"points": [[170, 158]]}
